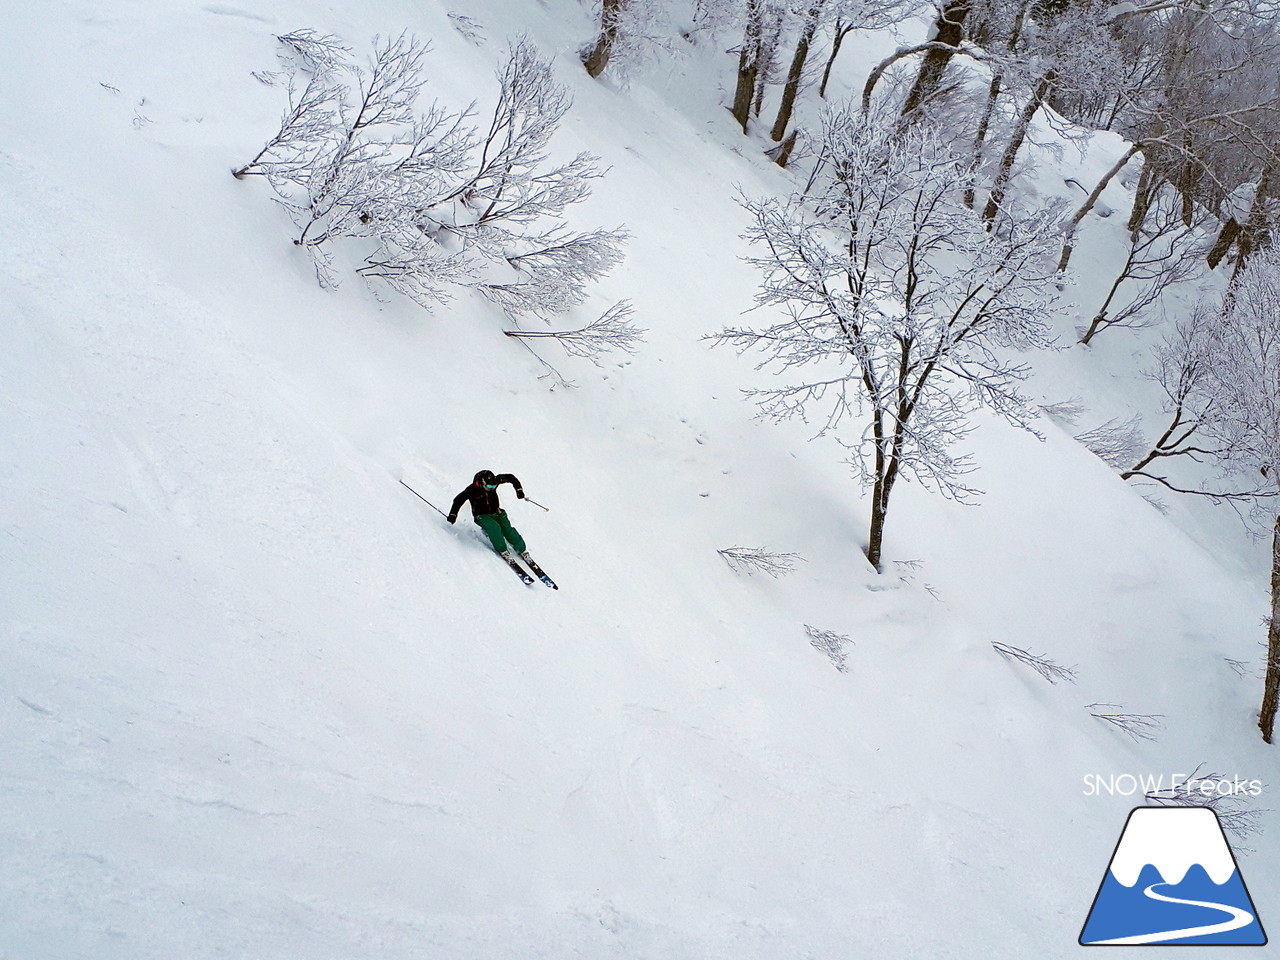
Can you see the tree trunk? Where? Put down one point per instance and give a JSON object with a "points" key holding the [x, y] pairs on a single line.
{"points": [[748, 66], [880, 489], [1148, 186], [980, 138], [598, 59], [993, 96], [1271, 685], [1187, 183], [1256, 231], [792, 87], [879, 510], [948, 30], [1116, 106], [781, 154], [1005, 172], [1100, 318], [1226, 237], [831, 60], [876, 540], [768, 54], [1069, 239]]}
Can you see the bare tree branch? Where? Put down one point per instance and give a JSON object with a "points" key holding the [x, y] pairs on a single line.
{"points": [[1049, 669], [751, 560]]}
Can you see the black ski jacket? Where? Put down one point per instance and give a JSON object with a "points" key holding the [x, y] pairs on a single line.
{"points": [[484, 501]]}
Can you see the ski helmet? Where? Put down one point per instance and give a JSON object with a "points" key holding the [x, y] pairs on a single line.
{"points": [[484, 477]]}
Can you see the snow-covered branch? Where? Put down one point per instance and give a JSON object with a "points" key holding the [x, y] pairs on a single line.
{"points": [[751, 560], [1049, 669], [830, 644], [1136, 726], [612, 330]]}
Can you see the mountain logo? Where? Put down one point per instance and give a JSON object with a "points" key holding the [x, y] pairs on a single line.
{"points": [[1172, 880]]}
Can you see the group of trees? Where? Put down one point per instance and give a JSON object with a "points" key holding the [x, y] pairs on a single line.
{"points": [[905, 270]]}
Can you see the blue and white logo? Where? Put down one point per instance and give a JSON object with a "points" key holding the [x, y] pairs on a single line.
{"points": [[1173, 880]]}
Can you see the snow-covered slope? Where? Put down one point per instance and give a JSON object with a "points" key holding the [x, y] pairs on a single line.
{"points": [[260, 701]]}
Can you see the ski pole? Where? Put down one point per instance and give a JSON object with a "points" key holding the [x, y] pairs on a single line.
{"points": [[425, 500], [537, 504]]}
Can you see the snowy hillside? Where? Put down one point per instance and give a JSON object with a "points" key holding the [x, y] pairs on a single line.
{"points": [[260, 701]]}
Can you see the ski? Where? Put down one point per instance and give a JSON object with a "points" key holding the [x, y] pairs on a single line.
{"points": [[538, 572], [519, 571]]}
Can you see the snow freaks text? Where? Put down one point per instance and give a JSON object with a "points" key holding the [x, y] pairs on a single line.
{"points": [[1189, 786]]}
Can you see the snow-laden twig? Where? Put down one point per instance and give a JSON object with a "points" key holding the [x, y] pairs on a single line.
{"points": [[1065, 413], [469, 29], [1241, 668], [1051, 671], [302, 138], [1117, 443], [751, 560], [1138, 726], [831, 644], [317, 53], [612, 330], [552, 269]]}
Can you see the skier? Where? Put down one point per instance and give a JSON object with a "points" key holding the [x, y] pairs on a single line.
{"points": [[488, 513], [492, 519]]}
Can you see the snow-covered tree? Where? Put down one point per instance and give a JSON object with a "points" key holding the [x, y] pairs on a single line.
{"points": [[436, 201], [633, 33], [899, 307], [1187, 369], [1220, 370], [1264, 214], [810, 20], [1245, 382], [1161, 253], [1210, 111]]}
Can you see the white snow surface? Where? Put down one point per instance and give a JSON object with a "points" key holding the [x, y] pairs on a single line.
{"points": [[259, 701], [1172, 841]]}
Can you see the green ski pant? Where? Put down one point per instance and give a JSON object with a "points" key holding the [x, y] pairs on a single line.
{"points": [[500, 531]]}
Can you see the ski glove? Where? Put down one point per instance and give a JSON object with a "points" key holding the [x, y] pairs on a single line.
{"points": [[452, 518]]}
